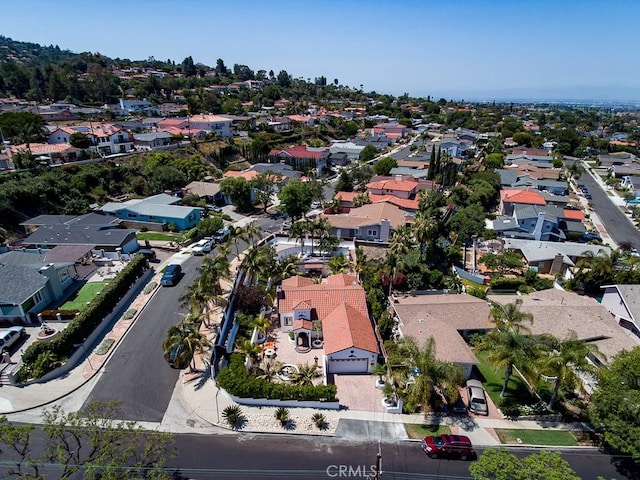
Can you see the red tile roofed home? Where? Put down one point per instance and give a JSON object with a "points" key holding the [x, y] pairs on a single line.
{"points": [[531, 151], [407, 204], [512, 196], [302, 156], [573, 214], [398, 186], [340, 305]]}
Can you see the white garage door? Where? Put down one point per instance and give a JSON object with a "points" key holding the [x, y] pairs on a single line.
{"points": [[348, 365]]}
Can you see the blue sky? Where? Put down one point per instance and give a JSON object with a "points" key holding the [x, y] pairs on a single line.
{"points": [[451, 48]]}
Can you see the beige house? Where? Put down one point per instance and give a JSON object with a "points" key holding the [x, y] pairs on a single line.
{"points": [[374, 222], [448, 318]]}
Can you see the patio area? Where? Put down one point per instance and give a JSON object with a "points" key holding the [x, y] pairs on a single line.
{"points": [[284, 350]]}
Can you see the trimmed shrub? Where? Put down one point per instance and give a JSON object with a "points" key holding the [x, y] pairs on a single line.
{"points": [[65, 314], [236, 380], [150, 288], [502, 283]]}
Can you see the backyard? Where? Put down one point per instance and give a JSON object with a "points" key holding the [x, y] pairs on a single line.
{"points": [[83, 296]]}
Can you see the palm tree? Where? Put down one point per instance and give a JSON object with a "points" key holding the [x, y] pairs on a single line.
{"points": [[328, 244], [299, 232], [259, 261], [236, 235], [185, 339], [306, 374], [420, 359], [269, 371], [252, 232], [262, 324], [338, 264], [564, 358], [252, 350], [287, 267], [509, 317]]}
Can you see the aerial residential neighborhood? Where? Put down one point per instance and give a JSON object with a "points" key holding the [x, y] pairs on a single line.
{"points": [[254, 252]]}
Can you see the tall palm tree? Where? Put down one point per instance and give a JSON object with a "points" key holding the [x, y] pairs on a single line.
{"points": [[564, 358], [299, 232], [236, 236], [252, 350], [187, 340], [509, 317], [252, 232], [259, 261], [286, 267], [420, 359], [338, 264]]}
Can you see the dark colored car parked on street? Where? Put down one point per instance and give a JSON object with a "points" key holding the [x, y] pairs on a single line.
{"points": [[448, 446], [171, 275]]}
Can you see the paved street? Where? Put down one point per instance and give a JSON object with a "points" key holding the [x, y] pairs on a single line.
{"points": [[614, 220]]}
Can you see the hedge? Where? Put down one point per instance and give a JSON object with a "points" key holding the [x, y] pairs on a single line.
{"points": [[506, 284], [64, 314], [83, 324], [236, 381]]}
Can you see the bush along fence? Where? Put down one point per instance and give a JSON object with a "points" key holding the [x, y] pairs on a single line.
{"points": [[236, 381], [42, 357]]}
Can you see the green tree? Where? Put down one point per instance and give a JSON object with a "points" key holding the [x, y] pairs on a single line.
{"points": [[504, 261], [90, 441], [344, 183], [264, 186], [368, 153], [468, 222], [305, 374], [338, 264], [384, 165], [207, 227], [79, 140], [615, 403], [494, 160], [238, 190], [499, 464], [295, 198], [564, 359]]}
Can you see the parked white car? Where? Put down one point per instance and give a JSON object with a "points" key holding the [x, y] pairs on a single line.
{"points": [[9, 336], [203, 246]]}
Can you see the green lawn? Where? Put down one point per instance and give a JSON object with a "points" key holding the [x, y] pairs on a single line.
{"points": [[80, 299], [160, 236], [415, 430], [517, 389], [559, 438]]}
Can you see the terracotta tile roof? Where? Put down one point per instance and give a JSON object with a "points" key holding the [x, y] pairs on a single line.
{"points": [[406, 203], [43, 148], [247, 175], [299, 151], [345, 327], [573, 214], [522, 196], [323, 298], [303, 306], [393, 184], [296, 281], [341, 279], [302, 324], [346, 196], [531, 151]]}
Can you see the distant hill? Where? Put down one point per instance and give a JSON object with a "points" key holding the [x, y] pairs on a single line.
{"points": [[32, 53]]}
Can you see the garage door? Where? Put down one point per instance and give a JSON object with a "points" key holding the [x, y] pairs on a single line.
{"points": [[348, 365]]}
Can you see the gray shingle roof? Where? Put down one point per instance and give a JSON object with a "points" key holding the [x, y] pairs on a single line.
{"points": [[48, 220], [537, 251], [19, 282], [78, 235]]}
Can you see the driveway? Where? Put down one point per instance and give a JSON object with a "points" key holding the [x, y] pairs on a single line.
{"points": [[358, 392]]}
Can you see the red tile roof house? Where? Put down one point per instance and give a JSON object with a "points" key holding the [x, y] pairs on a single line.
{"points": [[511, 197], [448, 318], [340, 304], [302, 157], [105, 137]]}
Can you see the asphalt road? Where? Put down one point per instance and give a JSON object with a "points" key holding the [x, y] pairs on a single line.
{"points": [[615, 222], [288, 457], [137, 375]]}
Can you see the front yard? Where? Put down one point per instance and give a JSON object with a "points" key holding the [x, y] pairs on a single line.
{"points": [[83, 296], [416, 430], [517, 390], [560, 438], [159, 236]]}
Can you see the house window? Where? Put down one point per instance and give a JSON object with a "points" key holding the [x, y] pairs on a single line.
{"points": [[288, 321], [63, 275], [132, 215], [372, 233]]}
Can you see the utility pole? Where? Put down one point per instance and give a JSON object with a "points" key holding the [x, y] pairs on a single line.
{"points": [[376, 467]]}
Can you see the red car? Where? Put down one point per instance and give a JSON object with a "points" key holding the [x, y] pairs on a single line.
{"points": [[457, 446]]}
